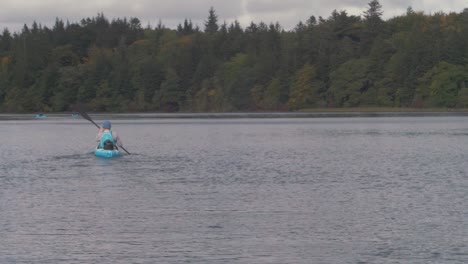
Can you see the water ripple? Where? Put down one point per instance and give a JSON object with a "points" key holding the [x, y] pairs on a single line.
{"points": [[357, 190]]}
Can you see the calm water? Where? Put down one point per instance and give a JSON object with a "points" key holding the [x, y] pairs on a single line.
{"points": [[317, 190]]}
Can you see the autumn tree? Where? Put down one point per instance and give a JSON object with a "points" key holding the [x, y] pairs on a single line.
{"points": [[304, 88]]}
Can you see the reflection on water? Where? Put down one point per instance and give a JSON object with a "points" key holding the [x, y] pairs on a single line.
{"points": [[323, 190]]}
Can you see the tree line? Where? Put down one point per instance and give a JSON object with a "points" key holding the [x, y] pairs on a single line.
{"points": [[412, 60]]}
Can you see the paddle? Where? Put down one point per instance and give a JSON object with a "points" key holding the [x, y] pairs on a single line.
{"points": [[87, 117]]}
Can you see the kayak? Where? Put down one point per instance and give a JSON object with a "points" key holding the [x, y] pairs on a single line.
{"points": [[106, 153]]}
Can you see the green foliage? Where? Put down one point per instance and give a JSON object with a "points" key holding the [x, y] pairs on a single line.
{"points": [[373, 24], [209, 98], [413, 60], [171, 94], [147, 75], [272, 95], [64, 56], [211, 25], [462, 100], [304, 89], [440, 86], [236, 79], [350, 82], [68, 84], [267, 98]]}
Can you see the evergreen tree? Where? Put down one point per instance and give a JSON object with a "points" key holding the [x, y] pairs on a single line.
{"points": [[211, 24], [341, 61], [374, 12], [5, 42], [171, 96], [373, 24]]}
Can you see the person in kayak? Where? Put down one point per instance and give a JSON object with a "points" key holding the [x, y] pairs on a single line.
{"points": [[108, 139]]}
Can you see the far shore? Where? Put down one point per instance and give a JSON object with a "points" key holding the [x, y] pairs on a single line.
{"points": [[385, 109], [304, 113]]}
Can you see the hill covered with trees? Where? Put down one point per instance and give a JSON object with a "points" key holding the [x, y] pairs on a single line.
{"points": [[413, 60]]}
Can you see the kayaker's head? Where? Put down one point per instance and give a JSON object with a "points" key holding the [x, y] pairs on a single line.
{"points": [[106, 124]]}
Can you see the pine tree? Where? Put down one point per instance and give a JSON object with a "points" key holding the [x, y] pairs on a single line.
{"points": [[211, 25], [373, 24], [374, 13]]}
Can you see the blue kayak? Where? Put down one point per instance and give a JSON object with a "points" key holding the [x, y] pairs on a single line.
{"points": [[106, 153]]}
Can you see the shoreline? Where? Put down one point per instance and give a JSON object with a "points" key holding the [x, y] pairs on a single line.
{"points": [[316, 113]]}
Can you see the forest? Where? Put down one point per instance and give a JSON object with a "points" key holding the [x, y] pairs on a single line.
{"points": [[414, 60]]}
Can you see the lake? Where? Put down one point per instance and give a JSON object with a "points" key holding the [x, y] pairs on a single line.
{"points": [[236, 190]]}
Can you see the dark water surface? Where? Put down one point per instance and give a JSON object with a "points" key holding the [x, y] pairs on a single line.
{"points": [[317, 190]]}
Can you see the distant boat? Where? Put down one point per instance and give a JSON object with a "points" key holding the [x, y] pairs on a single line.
{"points": [[41, 116]]}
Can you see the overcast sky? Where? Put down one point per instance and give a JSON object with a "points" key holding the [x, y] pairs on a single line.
{"points": [[15, 13]]}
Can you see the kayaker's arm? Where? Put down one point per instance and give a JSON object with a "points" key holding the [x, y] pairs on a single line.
{"points": [[98, 136]]}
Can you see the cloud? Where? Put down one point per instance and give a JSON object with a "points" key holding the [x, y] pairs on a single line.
{"points": [[15, 13], [148, 11]]}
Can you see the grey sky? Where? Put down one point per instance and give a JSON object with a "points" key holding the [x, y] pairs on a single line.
{"points": [[15, 13]]}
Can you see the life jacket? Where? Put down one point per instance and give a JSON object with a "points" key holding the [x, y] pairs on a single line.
{"points": [[107, 141]]}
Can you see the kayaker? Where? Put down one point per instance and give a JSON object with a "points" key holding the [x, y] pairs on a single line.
{"points": [[107, 138]]}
